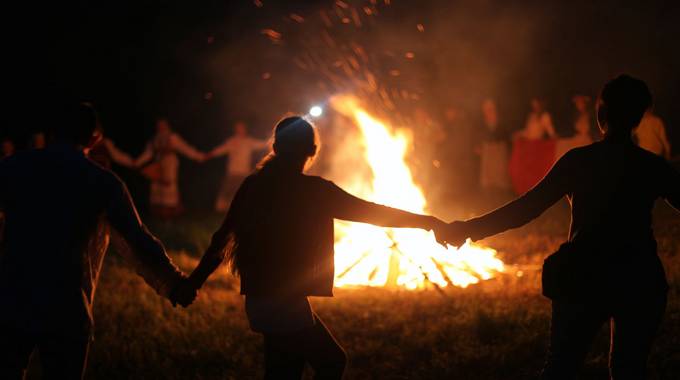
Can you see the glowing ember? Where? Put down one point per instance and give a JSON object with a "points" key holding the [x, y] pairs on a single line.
{"points": [[410, 258]]}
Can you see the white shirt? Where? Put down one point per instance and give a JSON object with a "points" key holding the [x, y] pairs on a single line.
{"points": [[240, 151]]}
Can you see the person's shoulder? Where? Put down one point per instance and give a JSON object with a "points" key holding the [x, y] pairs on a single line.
{"points": [[104, 176]]}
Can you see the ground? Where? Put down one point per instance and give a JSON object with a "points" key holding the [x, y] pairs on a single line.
{"points": [[493, 330]]}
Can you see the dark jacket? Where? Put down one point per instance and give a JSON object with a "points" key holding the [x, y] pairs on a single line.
{"points": [[58, 207], [283, 232]]}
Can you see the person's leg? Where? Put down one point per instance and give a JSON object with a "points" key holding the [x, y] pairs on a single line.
{"points": [[63, 357], [281, 359], [634, 328], [15, 353], [572, 330], [322, 351]]}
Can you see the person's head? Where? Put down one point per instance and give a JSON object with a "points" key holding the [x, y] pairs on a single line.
{"points": [[489, 111], [296, 144], [621, 104], [537, 105], [78, 125], [162, 125], [240, 129], [581, 103]]}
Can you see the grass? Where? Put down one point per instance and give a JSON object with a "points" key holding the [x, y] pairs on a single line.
{"points": [[494, 330]]}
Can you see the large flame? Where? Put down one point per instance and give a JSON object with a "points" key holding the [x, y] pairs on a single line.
{"points": [[410, 258]]}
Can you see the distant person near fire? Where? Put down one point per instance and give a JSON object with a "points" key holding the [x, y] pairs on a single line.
{"points": [[163, 170], [582, 130], [539, 123], [493, 149], [239, 148]]}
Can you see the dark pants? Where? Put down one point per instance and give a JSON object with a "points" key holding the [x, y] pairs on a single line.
{"points": [[634, 323], [286, 354], [61, 357]]}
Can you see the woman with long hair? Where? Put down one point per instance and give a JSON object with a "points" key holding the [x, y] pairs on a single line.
{"points": [[278, 238], [608, 270]]}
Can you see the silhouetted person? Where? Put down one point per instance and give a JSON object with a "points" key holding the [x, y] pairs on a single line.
{"points": [[611, 186], [278, 237], [58, 206]]}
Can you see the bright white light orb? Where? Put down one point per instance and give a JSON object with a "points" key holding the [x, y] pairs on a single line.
{"points": [[315, 111]]}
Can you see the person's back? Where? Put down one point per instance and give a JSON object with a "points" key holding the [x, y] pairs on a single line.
{"points": [[57, 207], [55, 201], [609, 268], [294, 212]]}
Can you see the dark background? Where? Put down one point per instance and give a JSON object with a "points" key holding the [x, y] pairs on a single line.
{"points": [[201, 63]]}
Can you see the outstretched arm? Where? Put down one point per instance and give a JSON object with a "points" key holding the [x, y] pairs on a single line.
{"points": [[348, 207], [220, 242], [529, 206], [138, 246], [145, 157], [221, 150], [117, 155], [187, 150]]}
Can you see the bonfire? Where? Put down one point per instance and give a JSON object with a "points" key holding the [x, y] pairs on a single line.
{"points": [[366, 255]]}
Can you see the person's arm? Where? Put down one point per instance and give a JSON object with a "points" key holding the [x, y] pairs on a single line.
{"points": [[187, 150], [546, 121], [221, 150], [348, 207], [117, 155], [529, 206], [145, 157], [259, 144], [219, 244], [137, 245]]}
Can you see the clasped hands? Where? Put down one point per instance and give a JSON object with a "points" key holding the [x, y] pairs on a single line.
{"points": [[454, 233], [185, 292]]}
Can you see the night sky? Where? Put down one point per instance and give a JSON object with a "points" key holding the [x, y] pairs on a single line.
{"points": [[202, 64]]}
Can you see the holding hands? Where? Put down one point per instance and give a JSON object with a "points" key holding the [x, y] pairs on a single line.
{"points": [[454, 233], [184, 293]]}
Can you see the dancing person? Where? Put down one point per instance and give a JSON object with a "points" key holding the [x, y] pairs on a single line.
{"points": [[611, 186], [240, 148], [539, 123], [163, 172], [651, 135], [493, 150], [278, 237], [582, 131], [58, 207]]}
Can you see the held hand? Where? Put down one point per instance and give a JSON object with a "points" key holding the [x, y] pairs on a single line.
{"points": [[456, 233], [439, 228], [184, 293]]}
